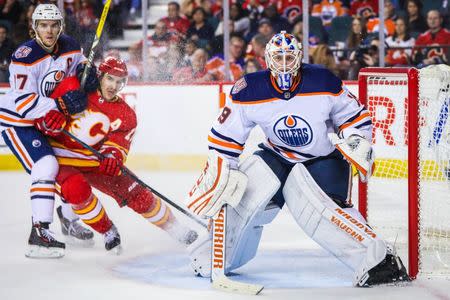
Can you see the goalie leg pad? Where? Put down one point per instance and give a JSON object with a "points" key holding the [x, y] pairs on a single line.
{"points": [[244, 223], [338, 230]]}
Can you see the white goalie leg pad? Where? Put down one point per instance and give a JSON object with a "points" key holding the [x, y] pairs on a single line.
{"points": [[245, 221], [341, 231]]}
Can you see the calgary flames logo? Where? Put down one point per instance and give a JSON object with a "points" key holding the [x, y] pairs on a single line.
{"points": [[50, 81], [293, 131], [90, 126]]}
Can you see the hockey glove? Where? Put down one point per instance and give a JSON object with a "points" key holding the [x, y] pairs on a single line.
{"points": [[358, 151], [113, 161], [72, 102], [52, 123], [92, 82]]}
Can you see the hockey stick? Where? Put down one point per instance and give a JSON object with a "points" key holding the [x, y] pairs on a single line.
{"points": [[218, 258], [95, 43], [127, 171]]}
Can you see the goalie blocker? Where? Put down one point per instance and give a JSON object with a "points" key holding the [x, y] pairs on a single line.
{"points": [[337, 227]]}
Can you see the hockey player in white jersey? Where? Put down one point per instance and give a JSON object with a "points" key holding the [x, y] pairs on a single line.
{"points": [[314, 127], [37, 66]]}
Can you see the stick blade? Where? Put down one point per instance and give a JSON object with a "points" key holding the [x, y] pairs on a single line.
{"points": [[223, 283]]}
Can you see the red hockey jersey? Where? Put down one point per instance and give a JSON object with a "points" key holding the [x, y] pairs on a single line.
{"points": [[102, 124]]}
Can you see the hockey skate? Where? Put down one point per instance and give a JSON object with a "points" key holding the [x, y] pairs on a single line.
{"points": [[389, 271], [42, 244], [74, 233], [112, 241]]}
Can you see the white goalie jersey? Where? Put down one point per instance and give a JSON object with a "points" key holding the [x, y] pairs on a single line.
{"points": [[296, 123], [34, 74]]}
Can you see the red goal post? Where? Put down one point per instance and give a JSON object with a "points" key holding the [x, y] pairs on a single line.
{"points": [[410, 181]]}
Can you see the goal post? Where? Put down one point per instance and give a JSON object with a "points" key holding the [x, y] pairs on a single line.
{"points": [[408, 199]]}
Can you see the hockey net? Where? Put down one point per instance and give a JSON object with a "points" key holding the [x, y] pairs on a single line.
{"points": [[407, 200]]}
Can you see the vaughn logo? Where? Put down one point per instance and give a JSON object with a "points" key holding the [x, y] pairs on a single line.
{"points": [[50, 81], [293, 131]]}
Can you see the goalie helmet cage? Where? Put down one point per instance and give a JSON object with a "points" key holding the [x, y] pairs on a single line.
{"points": [[407, 200]]}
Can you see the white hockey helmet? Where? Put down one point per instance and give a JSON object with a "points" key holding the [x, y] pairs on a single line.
{"points": [[46, 12], [283, 58]]}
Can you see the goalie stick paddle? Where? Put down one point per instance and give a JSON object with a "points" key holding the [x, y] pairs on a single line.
{"points": [[127, 171], [98, 34], [218, 258]]}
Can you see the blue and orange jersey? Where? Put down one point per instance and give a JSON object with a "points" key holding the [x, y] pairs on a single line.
{"points": [[34, 73], [296, 122]]}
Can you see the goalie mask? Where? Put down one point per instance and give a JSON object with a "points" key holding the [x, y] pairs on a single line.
{"points": [[283, 58], [44, 12]]}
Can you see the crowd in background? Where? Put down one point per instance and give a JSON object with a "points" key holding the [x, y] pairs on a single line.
{"points": [[187, 44]]}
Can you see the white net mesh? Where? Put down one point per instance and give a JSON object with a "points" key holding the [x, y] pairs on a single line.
{"points": [[388, 190]]}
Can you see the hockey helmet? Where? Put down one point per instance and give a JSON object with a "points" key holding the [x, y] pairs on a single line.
{"points": [[46, 12], [283, 56], [114, 66]]}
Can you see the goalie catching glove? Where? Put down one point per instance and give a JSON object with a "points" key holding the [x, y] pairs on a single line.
{"points": [[356, 150], [216, 186]]}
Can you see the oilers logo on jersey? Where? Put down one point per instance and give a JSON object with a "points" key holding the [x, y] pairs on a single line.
{"points": [[50, 81], [293, 131]]}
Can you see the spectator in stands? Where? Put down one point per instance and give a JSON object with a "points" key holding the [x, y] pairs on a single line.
{"points": [[358, 33], [416, 22], [174, 22], [322, 55], [278, 22], [10, 11], [365, 56], [189, 48], [200, 31], [256, 48], [240, 21], [297, 31], [357, 7], [196, 72], [134, 64], [326, 10], [373, 23], [159, 42], [254, 10], [86, 23], [436, 35], [252, 66], [216, 65], [265, 28], [290, 9], [401, 38], [6, 50], [389, 10]]}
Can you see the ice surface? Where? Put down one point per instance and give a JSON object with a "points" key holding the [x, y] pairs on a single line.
{"points": [[153, 266]]}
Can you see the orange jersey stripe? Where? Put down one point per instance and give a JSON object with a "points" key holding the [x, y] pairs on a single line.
{"points": [[9, 119], [224, 144], [364, 115], [51, 190], [13, 138], [26, 102], [33, 63]]}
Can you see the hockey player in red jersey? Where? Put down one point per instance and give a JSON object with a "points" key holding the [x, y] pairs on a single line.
{"points": [[108, 125]]}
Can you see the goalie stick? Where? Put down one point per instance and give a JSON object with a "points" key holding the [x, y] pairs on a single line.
{"points": [[218, 258], [127, 171], [98, 34]]}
